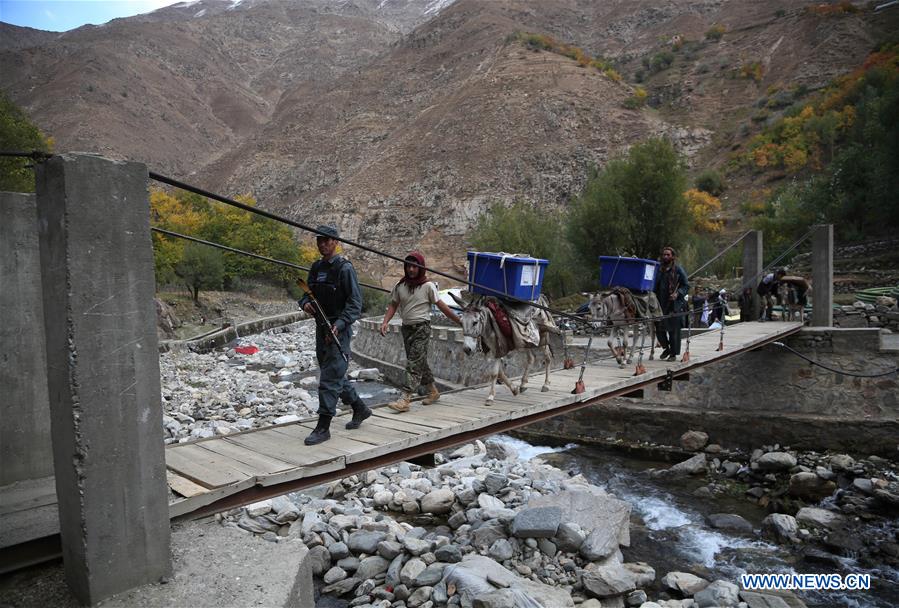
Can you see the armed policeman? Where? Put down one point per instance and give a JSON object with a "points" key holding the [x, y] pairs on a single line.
{"points": [[336, 303]]}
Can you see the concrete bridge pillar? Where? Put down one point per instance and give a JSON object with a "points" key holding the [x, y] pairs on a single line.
{"points": [[822, 276], [752, 268], [25, 428], [103, 373]]}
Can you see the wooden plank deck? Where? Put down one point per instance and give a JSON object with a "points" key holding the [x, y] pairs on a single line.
{"points": [[218, 473], [248, 466]]}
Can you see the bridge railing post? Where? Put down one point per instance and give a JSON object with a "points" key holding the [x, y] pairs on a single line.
{"points": [[752, 268], [822, 276], [103, 373]]}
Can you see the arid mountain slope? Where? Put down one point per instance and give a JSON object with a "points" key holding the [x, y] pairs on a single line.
{"points": [[403, 120], [177, 87]]}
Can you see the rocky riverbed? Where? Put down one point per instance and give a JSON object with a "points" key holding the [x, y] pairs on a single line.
{"points": [[490, 527], [487, 527], [227, 391]]}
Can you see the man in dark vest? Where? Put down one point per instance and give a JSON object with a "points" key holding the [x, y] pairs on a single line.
{"points": [[671, 288], [332, 280]]}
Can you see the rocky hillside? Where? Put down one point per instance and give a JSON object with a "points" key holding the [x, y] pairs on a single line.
{"points": [[177, 87], [403, 120]]}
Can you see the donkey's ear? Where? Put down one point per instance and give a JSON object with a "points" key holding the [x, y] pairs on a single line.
{"points": [[458, 300]]}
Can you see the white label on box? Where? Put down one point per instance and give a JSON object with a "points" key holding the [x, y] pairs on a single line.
{"points": [[649, 272], [528, 276]]}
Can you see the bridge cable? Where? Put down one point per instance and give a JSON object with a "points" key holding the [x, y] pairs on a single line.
{"points": [[752, 279], [834, 370], [39, 155], [222, 199], [720, 253], [273, 216], [248, 254]]}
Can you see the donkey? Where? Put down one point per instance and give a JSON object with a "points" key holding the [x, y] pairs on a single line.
{"points": [[483, 335], [619, 309], [793, 293]]}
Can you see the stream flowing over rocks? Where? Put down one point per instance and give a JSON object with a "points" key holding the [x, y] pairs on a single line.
{"points": [[489, 527], [492, 526]]}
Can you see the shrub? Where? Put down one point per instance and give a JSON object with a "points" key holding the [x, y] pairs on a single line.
{"points": [[637, 100], [715, 33], [751, 71], [710, 181], [844, 7], [543, 42], [661, 61], [702, 206]]}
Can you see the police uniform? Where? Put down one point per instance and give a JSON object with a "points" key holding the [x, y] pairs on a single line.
{"points": [[335, 286]]}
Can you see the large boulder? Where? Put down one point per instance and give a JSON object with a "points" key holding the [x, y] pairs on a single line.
{"points": [[609, 581], [719, 593], [780, 527], [773, 462], [695, 465], [810, 487], [489, 532], [480, 581], [525, 594], [430, 576], [370, 567], [413, 568], [498, 450], [729, 521], [819, 518], [569, 537], [842, 462], [644, 574], [537, 522], [438, 501], [365, 541], [684, 582], [594, 511], [486, 501], [694, 440]]}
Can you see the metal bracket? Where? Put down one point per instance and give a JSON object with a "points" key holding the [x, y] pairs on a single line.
{"points": [[665, 385]]}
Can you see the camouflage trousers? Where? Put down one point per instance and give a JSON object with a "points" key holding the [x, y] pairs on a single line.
{"points": [[415, 339]]}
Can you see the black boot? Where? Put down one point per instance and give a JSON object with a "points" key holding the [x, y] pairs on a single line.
{"points": [[360, 413], [321, 433]]}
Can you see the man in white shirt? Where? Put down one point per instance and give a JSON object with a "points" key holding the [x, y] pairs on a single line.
{"points": [[413, 296]]}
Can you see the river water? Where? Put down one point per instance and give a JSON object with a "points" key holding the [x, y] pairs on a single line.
{"points": [[669, 530]]}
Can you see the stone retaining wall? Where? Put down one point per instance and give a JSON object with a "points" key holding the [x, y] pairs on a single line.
{"points": [[446, 357], [765, 396]]}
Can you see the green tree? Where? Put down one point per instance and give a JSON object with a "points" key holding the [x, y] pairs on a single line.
{"points": [[710, 181], [18, 133], [634, 206], [200, 268], [522, 228], [857, 190]]}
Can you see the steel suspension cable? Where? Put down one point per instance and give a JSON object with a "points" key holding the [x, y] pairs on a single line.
{"points": [[720, 253], [248, 254], [752, 279], [39, 155], [273, 216]]}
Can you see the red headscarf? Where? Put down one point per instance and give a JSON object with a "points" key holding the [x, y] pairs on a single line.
{"points": [[421, 278]]}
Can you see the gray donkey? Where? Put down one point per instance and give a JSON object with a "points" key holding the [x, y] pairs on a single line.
{"points": [[530, 329], [620, 309]]}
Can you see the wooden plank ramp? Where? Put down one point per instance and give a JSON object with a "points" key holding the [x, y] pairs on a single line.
{"points": [[220, 473]]}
